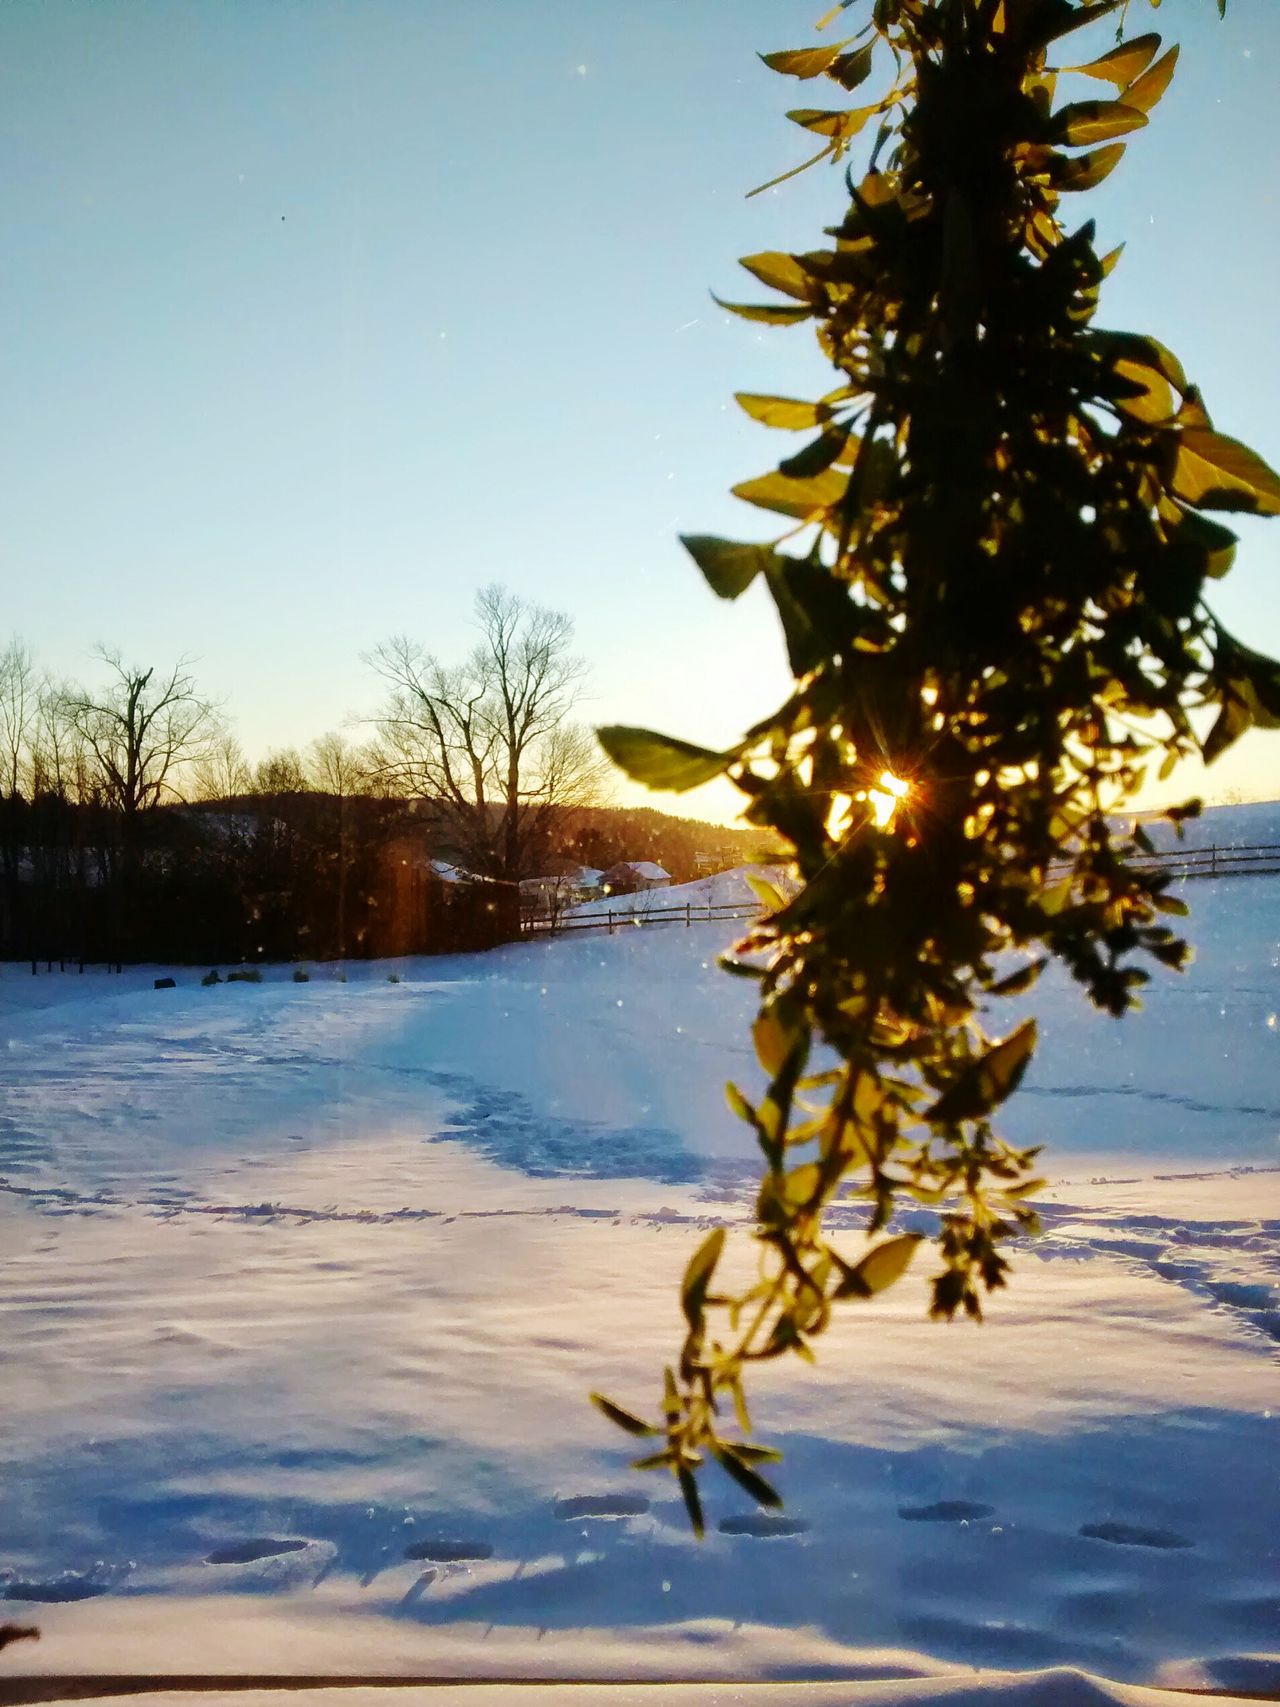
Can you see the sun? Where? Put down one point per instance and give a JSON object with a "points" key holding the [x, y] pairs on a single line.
{"points": [[885, 799]]}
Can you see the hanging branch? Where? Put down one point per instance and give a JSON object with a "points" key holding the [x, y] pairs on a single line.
{"points": [[994, 611]]}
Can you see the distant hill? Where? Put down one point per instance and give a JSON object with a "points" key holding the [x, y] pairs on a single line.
{"points": [[601, 836]]}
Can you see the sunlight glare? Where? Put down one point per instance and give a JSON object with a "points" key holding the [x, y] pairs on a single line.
{"points": [[884, 800]]}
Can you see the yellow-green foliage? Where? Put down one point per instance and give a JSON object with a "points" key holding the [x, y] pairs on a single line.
{"points": [[992, 591]]}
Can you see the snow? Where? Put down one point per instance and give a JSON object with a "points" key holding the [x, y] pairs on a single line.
{"points": [[301, 1281], [721, 889]]}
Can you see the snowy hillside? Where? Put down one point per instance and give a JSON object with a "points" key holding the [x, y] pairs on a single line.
{"points": [[303, 1286], [720, 889]]}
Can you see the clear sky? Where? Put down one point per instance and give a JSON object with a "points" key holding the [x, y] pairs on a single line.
{"points": [[320, 314]]}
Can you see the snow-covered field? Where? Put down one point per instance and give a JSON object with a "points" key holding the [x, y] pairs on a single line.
{"points": [[302, 1287]]}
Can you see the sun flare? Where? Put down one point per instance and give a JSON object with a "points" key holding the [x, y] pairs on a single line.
{"points": [[885, 799]]}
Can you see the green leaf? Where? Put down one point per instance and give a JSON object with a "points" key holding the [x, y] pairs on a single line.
{"points": [[789, 413], [805, 62], [739, 1104], [773, 1041], [1217, 543], [1084, 122], [880, 1268], [729, 568], [1148, 89], [841, 126], [1151, 395], [852, 69], [692, 1504], [1017, 982], [817, 455], [780, 272], [985, 1083], [624, 1419], [1143, 351], [697, 1277], [1232, 722], [655, 1460], [767, 313], [1249, 682], [801, 498], [1086, 171], [1123, 63], [813, 607], [1060, 22], [746, 1478], [1215, 472], [662, 761]]}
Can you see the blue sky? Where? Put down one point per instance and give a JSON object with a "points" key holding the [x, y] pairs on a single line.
{"points": [[323, 313]]}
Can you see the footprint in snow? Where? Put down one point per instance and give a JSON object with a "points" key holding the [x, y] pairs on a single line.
{"points": [[1133, 1535], [249, 1552], [601, 1505], [763, 1524], [946, 1511], [445, 1551]]}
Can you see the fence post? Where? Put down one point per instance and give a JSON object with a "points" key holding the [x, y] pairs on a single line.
{"points": [[1213, 859], [688, 914], [611, 921]]}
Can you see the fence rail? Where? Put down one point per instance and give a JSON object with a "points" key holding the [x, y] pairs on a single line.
{"points": [[1259, 860]]}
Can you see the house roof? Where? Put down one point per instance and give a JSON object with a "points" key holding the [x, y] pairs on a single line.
{"points": [[644, 868]]}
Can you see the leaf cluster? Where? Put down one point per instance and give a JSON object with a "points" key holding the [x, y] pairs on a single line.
{"points": [[1002, 521]]}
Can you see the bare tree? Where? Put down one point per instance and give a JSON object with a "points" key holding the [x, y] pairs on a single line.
{"points": [[223, 773], [337, 770], [337, 767], [281, 772], [140, 731], [490, 741], [18, 696]]}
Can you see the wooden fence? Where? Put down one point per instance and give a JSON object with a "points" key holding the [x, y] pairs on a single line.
{"points": [[1256, 861]]}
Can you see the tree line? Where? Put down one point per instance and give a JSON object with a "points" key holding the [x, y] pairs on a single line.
{"points": [[134, 827]]}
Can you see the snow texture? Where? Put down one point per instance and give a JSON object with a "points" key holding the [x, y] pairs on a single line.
{"points": [[303, 1285]]}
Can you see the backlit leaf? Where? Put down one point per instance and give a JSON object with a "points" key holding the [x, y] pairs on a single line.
{"points": [[697, 1276], [661, 761], [772, 1040], [1085, 122], [789, 497], [768, 314], [729, 568], [840, 125], [1123, 63], [1086, 171], [1152, 84], [1218, 543], [789, 413], [880, 1268], [817, 455], [804, 62], [986, 1083], [854, 68], [1215, 472], [692, 1503], [1154, 401], [747, 1479], [623, 1418], [779, 272]]}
